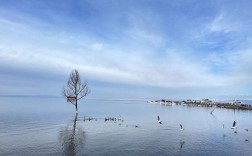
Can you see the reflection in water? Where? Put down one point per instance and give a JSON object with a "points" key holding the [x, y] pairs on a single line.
{"points": [[72, 139], [181, 144], [213, 116], [212, 110], [223, 136]]}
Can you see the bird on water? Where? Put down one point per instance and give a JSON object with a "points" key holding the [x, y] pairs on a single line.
{"points": [[234, 125], [158, 118], [181, 127]]}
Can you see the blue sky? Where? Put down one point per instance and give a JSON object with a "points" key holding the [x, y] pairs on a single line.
{"points": [[127, 49]]}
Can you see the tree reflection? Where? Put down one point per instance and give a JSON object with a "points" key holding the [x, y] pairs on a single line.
{"points": [[72, 139], [181, 144]]}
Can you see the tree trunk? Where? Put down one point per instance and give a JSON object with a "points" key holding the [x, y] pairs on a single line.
{"points": [[76, 106]]}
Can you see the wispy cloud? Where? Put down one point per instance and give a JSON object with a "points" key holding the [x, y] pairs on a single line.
{"points": [[220, 24], [151, 48]]}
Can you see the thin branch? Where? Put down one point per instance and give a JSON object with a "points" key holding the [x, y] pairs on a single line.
{"points": [[75, 87]]}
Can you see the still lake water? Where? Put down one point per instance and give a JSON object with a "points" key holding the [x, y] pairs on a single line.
{"points": [[48, 126]]}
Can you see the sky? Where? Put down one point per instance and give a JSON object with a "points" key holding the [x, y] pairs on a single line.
{"points": [[171, 49]]}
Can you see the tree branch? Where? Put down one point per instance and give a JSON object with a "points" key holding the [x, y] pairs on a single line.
{"points": [[75, 88]]}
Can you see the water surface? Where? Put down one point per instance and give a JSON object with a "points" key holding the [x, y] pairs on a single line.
{"points": [[49, 126]]}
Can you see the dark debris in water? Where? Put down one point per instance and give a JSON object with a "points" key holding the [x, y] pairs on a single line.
{"points": [[119, 120], [106, 119]]}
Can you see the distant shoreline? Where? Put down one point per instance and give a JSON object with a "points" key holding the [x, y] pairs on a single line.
{"points": [[233, 104], [228, 104]]}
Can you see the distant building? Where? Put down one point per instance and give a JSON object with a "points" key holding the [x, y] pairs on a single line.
{"points": [[236, 103], [206, 101]]}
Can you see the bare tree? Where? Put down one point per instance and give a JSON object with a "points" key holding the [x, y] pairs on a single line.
{"points": [[75, 89]]}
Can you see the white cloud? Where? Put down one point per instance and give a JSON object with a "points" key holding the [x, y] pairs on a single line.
{"points": [[136, 59], [97, 46], [115, 64], [225, 23], [244, 70]]}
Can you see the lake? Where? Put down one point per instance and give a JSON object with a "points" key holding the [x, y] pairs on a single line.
{"points": [[49, 126]]}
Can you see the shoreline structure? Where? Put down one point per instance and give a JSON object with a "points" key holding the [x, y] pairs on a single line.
{"points": [[234, 104]]}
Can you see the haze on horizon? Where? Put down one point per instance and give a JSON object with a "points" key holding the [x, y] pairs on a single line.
{"points": [[127, 49]]}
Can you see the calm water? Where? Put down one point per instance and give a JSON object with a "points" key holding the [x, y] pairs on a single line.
{"points": [[36, 126]]}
